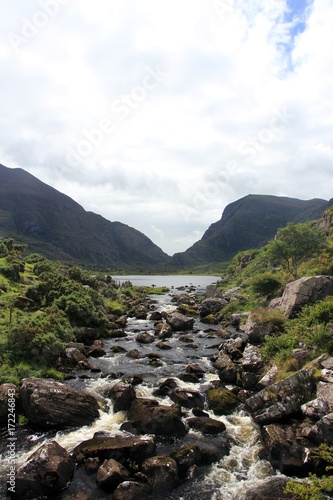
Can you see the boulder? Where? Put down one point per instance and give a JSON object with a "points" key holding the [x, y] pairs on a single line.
{"points": [[206, 425], [145, 338], [162, 330], [147, 416], [252, 359], [180, 322], [166, 387], [248, 380], [48, 403], [283, 398], [74, 357], [187, 398], [163, 345], [110, 474], [196, 369], [212, 447], [269, 378], [96, 351], [122, 394], [212, 292], [233, 348], [316, 409], [222, 401], [325, 391], [257, 331], [211, 306], [186, 456], [287, 449], [156, 316], [162, 474], [304, 290], [227, 370], [134, 448], [131, 490], [322, 431], [8, 394], [271, 489], [47, 471]]}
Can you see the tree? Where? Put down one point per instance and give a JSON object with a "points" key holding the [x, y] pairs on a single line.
{"points": [[294, 244]]}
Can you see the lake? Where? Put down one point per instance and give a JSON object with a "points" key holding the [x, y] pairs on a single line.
{"points": [[170, 281]]}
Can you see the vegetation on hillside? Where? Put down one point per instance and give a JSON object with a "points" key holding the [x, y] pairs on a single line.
{"points": [[260, 275], [44, 305]]}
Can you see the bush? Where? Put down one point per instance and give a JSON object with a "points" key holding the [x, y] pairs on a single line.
{"points": [[310, 328], [33, 258], [40, 337], [12, 270], [3, 284], [265, 284], [265, 316], [313, 487], [116, 307]]}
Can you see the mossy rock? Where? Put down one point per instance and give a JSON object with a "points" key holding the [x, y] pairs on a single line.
{"points": [[222, 401], [188, 310]]}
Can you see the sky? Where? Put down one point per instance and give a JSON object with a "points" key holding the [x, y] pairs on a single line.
{"points": [[159, 113]]}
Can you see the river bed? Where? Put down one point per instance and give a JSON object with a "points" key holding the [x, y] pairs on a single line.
{"points": [[228, 479]]}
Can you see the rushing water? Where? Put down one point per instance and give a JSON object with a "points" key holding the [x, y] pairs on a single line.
{"points": [[228, 479]]}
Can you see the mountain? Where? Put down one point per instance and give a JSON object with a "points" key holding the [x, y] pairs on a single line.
{"points": [[248, 223], [56, 226]]}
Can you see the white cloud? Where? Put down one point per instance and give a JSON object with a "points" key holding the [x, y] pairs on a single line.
{"points": [[209, 100]]}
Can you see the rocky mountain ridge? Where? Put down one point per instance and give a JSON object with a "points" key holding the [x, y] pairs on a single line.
{"points": [[249, 222], [54, 225]]}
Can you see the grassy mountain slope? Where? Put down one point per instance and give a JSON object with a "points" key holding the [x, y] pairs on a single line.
{"points": [[248, 223], [53, 224]]}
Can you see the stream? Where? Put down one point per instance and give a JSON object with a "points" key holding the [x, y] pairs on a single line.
{"points": [[231, 477]]}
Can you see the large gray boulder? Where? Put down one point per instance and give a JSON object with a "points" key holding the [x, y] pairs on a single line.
{"points": [[180, 322], [147, 416], [304, 290], [45, 474], [48, 403], [283, 398], [211, 306]]}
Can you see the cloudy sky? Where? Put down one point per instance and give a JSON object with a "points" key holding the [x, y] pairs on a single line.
{"points": [[158, 113]]}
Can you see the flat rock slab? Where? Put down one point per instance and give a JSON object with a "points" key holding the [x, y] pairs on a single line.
{"points": [[137, 448], [283, 398], [48, 403]]}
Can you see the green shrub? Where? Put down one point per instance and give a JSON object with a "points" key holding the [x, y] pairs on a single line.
{"points": [[310, 328], [11, 270], [40, 337], [313, 487], [3, 283], [265, 316], [33, 258], [265, 284], [117, 307]]}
